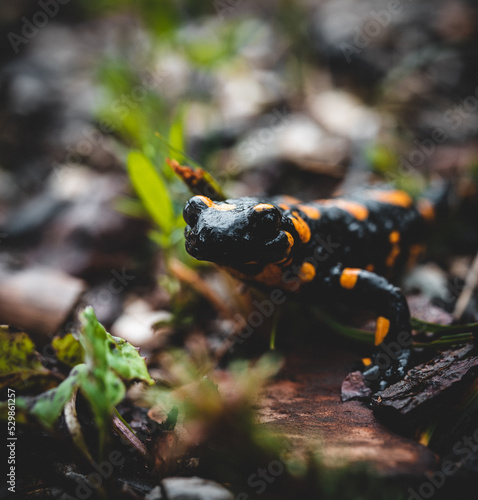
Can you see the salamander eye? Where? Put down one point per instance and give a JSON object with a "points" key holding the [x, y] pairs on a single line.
{"points": [[266, 219], [192, 210]]}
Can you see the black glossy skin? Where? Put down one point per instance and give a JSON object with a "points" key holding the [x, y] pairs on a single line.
{"points": [[233, 237], [324, 255]]}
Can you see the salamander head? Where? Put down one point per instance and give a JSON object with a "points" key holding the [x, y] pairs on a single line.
{"points": [[235, 232]]}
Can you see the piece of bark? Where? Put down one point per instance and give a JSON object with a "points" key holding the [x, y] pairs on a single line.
{"points": [[38, 300], [426, 390]]}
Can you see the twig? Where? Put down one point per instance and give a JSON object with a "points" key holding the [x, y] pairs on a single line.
{"points": [[127, 433], [74, 427], [192, 278], [465, 295]]}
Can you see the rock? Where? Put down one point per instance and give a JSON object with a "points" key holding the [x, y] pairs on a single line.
{"points": [[155, 494], [354, 387], [427, 279], [38, 300], [421, 308], [90, 238], [292, 137], [302, 138], [136, 324], [342, 114], [190, 488]]}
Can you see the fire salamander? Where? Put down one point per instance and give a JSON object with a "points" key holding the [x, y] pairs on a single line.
{"points": [[339, 249]]}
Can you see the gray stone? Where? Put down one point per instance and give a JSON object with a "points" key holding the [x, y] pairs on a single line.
{"points": [[194, 488]]}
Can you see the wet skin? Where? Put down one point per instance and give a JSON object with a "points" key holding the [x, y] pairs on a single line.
{"points": [[326, 250]]}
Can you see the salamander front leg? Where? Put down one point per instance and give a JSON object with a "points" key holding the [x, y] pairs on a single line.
{"points": [[393, 336]]}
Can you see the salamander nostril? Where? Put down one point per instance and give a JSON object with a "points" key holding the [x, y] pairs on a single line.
{"points": [[191, 213], [193, 209]]}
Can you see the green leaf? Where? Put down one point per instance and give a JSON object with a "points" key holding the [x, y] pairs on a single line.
{"points": [[419, 324], [176, 135], [103, 393], [103, 351], [457, 334], [125, 360], [151, 189], [101, 387], [47, 407], [68, 349], [93, 339], [20, 366], [17, 353], [110, 360]]}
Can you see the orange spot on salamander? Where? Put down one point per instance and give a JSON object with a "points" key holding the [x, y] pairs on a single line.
{"points": [[366, 361], [263, 206], [359, 211], [394, 197], [291, 241], [306, 272], [426, 210], [349, 277], [381, 330], [302, 228], [216, 206], [290, 238], [310, 211], [394, 238]]}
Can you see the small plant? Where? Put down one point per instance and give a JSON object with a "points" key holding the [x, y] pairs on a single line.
{"points": [[101, 368]]}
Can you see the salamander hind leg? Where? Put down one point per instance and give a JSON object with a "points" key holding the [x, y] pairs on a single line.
{"points": [[393, 331]]}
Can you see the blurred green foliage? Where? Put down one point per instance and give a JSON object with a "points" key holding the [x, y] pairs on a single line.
{"points": [[151, 189], [136, 105]]}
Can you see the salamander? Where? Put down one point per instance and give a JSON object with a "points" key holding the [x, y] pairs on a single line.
{"points": [[340, 249]]}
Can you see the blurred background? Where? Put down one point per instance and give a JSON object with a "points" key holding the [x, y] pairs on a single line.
{"points": [[295, 97]]}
